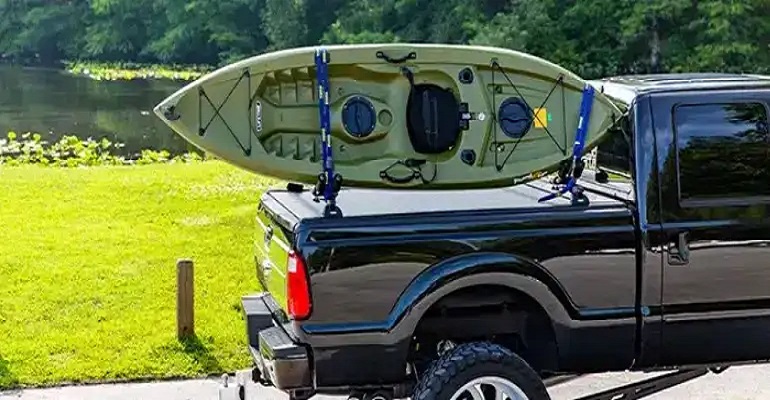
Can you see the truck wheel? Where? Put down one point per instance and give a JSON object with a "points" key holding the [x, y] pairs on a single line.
{"points": [[480, 371]]}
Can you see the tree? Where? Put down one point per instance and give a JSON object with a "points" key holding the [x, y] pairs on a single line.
{"points": [[593, 38]]}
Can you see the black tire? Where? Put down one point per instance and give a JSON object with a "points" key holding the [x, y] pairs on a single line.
{"points": [[469, 361]]}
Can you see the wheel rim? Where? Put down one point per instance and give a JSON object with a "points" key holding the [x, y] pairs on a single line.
{"points": [[490, 388]]}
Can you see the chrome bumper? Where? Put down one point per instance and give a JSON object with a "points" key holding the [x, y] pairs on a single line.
{"points": [[277, 359]]}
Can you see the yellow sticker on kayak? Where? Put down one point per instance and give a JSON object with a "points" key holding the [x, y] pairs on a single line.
{"points": [[541, 118]]}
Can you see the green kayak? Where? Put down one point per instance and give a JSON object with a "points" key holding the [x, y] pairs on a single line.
{"points": [[430, 116]]}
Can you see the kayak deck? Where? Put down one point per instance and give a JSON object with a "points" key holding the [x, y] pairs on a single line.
{"points": [[492, 116]]}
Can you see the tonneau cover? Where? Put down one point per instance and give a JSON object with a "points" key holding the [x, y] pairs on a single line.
{"points": [[357, 202]]}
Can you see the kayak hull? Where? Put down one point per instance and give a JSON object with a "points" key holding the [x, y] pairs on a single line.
{"points": [[519, 115]]}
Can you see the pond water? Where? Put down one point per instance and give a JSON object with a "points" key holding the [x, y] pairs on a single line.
{"points": [[54, 103]]}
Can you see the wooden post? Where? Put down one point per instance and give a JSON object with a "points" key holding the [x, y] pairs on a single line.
{"points": [[185, 320]]}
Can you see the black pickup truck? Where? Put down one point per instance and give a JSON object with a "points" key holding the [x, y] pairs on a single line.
{"points": [[427, 294]]}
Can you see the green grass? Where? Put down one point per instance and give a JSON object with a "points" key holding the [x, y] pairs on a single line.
{"points": [[87, 262]]}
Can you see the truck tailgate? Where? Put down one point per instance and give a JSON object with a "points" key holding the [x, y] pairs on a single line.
{"points": [[273, 242]]}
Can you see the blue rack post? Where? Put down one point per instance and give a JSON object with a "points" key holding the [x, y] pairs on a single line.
{"points": [[328, 181], [577, 149]]}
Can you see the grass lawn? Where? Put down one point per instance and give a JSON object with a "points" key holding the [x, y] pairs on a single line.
{"points": [[88, 276]]}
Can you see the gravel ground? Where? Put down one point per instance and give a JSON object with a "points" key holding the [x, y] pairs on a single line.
{"points": [[737, 383]]}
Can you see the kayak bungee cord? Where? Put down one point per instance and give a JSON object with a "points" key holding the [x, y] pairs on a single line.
{"points": [[576, 168], [202, 128], [329, 182]]}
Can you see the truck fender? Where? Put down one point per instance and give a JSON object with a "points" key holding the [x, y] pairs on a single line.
{"points": [[441, 279], [488, 268]]}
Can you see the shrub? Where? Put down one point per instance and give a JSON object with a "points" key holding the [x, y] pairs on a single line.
{"points": [[71, 151]]}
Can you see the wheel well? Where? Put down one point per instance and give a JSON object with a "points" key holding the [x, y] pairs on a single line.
{"points": [[494, 313]]}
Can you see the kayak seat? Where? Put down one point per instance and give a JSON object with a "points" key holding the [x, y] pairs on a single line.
{"points": [[433, 119]]}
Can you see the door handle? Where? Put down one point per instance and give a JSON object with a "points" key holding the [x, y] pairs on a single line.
{"points": [[679, 252]]}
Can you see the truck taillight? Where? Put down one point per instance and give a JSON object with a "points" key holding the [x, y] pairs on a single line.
{"points": [[297, 287]]}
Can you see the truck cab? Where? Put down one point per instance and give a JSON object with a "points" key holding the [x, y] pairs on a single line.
{"points": [[702, 173], [664, 267]]}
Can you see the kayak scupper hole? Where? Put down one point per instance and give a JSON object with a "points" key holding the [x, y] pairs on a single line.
{"points": [[466, 76], [468, 156]]}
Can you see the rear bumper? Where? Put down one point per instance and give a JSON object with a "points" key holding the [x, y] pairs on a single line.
{"points": [[277, 359]]}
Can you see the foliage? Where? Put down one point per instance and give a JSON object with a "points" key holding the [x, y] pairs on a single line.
{"points": [[70, 151], [129, 71], [87, 262], [593, 38]]}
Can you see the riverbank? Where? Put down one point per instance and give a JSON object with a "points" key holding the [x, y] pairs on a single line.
{"points": [[87, 259], [131, 71]]}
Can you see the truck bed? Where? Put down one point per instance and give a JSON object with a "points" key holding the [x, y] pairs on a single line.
{"points": [[360, 202]]}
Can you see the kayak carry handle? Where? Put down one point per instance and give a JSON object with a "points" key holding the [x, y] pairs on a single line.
{"points": [[400, 181], [411, 56], [415, 166]]}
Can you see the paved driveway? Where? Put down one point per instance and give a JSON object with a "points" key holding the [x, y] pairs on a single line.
{"points": [[737, 383]]}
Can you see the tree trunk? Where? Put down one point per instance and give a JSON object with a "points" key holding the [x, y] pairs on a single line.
{"points": [[655, 46]]}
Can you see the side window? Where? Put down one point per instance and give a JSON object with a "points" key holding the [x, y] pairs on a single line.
{"points": [[722, 151]]}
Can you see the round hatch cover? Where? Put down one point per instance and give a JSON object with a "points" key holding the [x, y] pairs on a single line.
{"points": [[515, 117], [358, 117]]}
